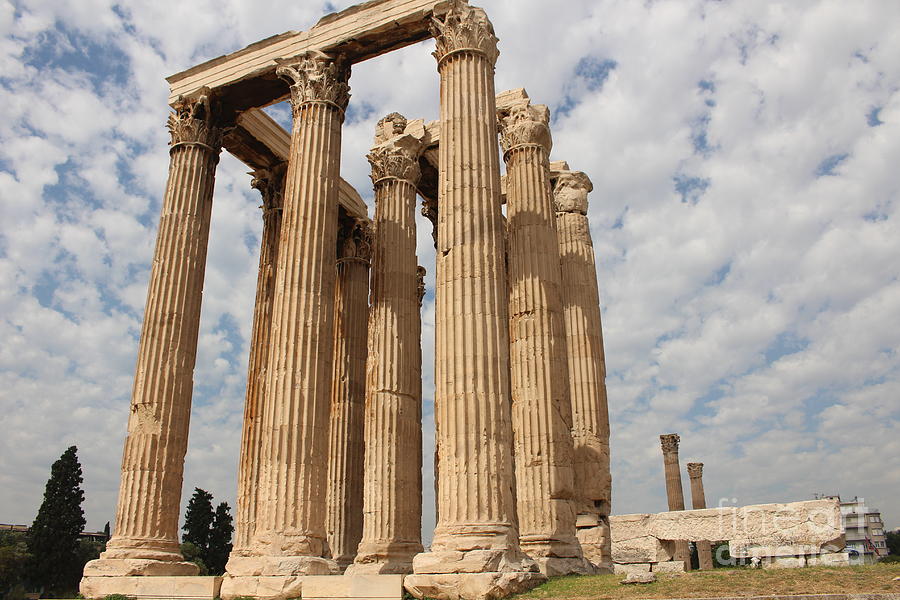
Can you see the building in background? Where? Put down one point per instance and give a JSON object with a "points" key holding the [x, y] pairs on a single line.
{"points": [[864, 529]]}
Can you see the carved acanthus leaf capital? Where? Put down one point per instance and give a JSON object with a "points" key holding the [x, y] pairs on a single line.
{"points": [[464, 27], [570, 192], [194, 121], [270, 183], [389, 126], [420, 283], [695, 470], [669, 442], [397, 158], [314, 76], [524, 123], [355, 240]]}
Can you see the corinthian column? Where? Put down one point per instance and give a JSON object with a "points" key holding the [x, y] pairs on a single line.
{"points": [[698, 500], [586, 366], [345, 443], [146, 536], [392, 521], [270, 183], [541, 416], [475, 552], [290, 507], [674, 490]]}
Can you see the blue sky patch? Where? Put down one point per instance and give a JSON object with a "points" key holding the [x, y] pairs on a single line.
{"points": [[830, 163], [873, 118], [690, 188]]}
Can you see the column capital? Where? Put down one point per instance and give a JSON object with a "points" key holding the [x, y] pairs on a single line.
{"points": [[420, 283], [270, 183], [354, 241], [570, 192], [314, 76], [396, 158], [669, 442], [194, 121], [524, 124], [464, 28], [695, 470], [430, 212]]}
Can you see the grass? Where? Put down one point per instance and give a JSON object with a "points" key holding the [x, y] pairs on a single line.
{"points": [[872, 579]]}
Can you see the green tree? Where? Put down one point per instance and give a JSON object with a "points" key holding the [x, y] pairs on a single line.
{"points": [[893, 541], [13, 560], [198, 520], [220, 539], [55, 564]]}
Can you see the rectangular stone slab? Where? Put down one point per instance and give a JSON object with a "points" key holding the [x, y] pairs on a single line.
{"points": [[327, 587], [246, 78], [175, 588]]}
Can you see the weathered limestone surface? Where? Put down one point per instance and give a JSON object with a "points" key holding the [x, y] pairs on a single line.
{"points": [[290, 519], [393, 491], [794, 529], [475, 552], [196, 588], [674, 490], [146, 536], [270, 183], [698, 501], [355, 587], [541, 412], [346, 426], [585, 362]]}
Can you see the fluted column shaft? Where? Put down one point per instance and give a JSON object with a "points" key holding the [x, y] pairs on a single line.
{"points": [[392, 502], [674, 489], [586, 365], [290, 519], [270, 183], [698, 501], [539, 386], [345, 444], [153, 458]]}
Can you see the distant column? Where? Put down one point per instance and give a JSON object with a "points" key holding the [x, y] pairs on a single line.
{"points": [[674, 490], [392, 501], [541, 415], [698, 500], [345, 443], [475, 552], [145, 541], [586, 365], [270, 183], [290, 538]]}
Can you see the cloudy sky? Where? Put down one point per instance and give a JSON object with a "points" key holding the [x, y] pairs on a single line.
{"points": [[745, 217]]}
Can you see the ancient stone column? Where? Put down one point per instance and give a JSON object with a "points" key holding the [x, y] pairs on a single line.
{"points": [[475, 552], [698, 500], [392, 499], [674, 491], [145, 541], [586, 366], [270, 183], [345, 442], [541, 416], [290, 540]]}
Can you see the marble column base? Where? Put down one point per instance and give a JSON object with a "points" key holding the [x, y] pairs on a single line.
{"points": [[280, 566], [471, 586], [261, 587], [395, 558], [146, 567]]}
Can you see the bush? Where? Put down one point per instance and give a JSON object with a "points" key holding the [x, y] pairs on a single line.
{"points": [[890, 558]]}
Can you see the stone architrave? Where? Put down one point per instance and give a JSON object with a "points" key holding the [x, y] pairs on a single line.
{"points": [[392, 499], [698, 500], [270, 183], [674, 490], [541, 413], [345, 442], [145, 541], [475, 552], [290, 537], [586, 365]]}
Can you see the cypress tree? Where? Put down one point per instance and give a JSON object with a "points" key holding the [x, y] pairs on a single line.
{"points": [[220, 539], [198, 520], [55, 565]]}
